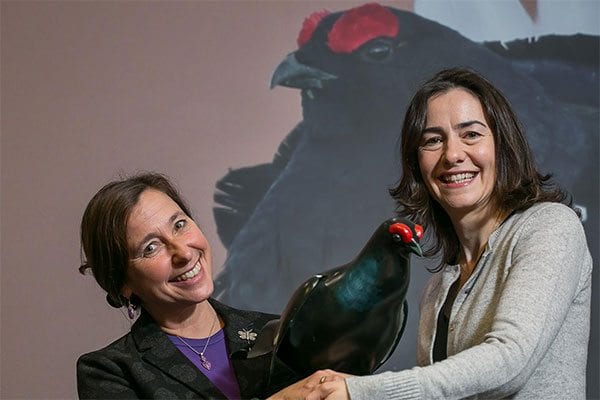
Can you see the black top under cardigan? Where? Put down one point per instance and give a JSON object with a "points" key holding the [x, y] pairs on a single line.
{"points": [[144, 363]]}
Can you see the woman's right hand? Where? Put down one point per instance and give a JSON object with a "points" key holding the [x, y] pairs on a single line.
{"points": [[323, 384]]}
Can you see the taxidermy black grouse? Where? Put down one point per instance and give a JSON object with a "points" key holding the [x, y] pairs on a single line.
{"points": [[349, 318], [328, 183]]}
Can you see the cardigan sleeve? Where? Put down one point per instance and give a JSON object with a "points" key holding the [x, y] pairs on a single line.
{"points": [[547, 264]]}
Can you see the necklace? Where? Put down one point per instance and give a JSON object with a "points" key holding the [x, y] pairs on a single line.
{"points": [[203, 360]]}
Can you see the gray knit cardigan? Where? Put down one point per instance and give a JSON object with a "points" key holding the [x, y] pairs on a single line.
{"points": [[519, 328]]}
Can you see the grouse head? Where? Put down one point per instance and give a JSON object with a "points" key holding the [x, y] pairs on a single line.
{"points": [[405, 234], [371, 53]]}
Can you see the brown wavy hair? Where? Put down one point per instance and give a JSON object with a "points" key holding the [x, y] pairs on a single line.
{"points": [[104, 248], [519, 184]]}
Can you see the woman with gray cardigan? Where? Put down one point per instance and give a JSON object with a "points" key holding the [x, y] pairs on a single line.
{"points": [[507, 313]]}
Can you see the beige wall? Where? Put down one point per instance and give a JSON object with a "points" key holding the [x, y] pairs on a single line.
{"points": [[94, 89]]}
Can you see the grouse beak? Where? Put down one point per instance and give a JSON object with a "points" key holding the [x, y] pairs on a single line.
{"points": [[416, 247], [293, 74]]}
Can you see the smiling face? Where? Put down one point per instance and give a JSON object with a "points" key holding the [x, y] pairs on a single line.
{"points": [[170, 259], [457, 155]]}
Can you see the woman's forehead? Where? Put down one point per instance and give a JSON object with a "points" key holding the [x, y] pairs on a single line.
{"points": [[152, 208]]}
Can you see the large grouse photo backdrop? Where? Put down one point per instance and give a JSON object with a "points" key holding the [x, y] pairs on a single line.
{"points": [[326, 189]]}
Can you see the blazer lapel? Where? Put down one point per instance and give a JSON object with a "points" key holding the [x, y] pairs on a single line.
{"points": [[240, 332], [156, 348]]}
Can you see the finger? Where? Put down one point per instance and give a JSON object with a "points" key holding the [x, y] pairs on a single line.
{"points": [[315, 379], [317, 394], [335, 390]]}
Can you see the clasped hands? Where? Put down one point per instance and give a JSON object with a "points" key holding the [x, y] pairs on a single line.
{"points": [[325, 384]]}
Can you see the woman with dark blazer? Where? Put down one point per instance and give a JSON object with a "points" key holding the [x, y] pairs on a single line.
{"points": [[148, 254]]}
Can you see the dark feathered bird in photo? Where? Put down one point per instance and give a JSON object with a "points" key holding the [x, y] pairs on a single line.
{"points": [[349, 318], [356, 70]]}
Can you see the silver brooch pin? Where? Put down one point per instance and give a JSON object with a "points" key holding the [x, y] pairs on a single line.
{"points": [[247, 334]]}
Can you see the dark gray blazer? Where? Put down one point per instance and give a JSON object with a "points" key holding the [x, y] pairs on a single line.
{"points": [[144, 364]]}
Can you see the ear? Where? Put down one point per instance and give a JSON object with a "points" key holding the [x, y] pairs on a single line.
{"points": [[126, 291]]}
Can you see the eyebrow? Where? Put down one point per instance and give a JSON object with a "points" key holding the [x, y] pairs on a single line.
{"points": [[178, 214], [461, 125], [469, 123]]}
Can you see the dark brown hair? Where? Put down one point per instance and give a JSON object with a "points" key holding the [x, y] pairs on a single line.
{"points": [[104, 229], [519, 184]]}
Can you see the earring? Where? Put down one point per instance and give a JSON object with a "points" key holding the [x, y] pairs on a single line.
{"points": [[131, 309]]}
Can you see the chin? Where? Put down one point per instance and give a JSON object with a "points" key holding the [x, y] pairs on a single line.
{"points": [[205, 291]]}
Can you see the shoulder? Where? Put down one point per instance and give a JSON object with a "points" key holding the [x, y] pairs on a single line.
{"points": [[113, 371], [125, 348], [114, 351], [545, 231], [550, 210], [105, 370], [547, 217]]}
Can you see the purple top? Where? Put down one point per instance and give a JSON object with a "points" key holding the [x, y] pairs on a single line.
{"points": [[221, 372]]}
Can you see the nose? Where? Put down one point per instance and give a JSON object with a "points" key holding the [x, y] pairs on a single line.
{"points": [[181, 253], [454, 152]]}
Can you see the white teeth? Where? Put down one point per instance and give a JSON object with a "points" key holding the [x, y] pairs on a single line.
{"points": [[459, 178], [190, 274]]}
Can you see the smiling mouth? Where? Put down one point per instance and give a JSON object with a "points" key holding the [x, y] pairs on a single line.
{"points": [[458, 178], [189, 274]]}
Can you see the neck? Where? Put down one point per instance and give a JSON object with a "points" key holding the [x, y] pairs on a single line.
{"points": [[473, 231], [196, 321]]}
